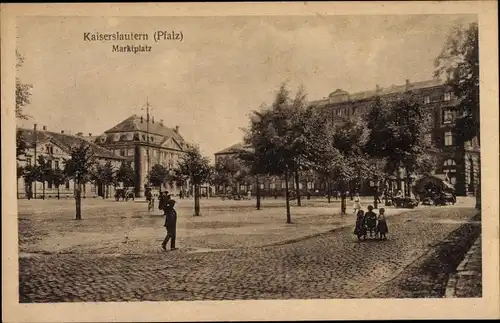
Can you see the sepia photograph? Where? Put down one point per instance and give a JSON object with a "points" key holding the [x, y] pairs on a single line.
{"points": [[250, 157]]}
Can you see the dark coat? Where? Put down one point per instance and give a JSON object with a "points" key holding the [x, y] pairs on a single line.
{"points": [[171, 221]]}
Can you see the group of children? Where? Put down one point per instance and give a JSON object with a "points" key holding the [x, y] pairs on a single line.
{"points": [[370, 223]]}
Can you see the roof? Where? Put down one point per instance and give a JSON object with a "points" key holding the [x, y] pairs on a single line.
{"points": [[65, 141], [232, 149], [133, 124], [357, 96]]}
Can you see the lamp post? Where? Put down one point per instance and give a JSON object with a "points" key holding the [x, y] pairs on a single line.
{"points": [[374, 186]]}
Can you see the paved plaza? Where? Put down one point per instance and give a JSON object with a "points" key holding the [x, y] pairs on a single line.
{"points": [[113, 253]]}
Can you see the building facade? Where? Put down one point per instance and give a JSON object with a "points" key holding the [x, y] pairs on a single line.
{"points": [[55, 148], [458, 164], [144, 143]]}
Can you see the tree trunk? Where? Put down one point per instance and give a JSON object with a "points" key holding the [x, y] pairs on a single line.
{"points": [[287, 198], [196, 200], [78, 202], [297, 187], [43, 190], [375, 197], [258, 194], [58, 195], [329, 188]]}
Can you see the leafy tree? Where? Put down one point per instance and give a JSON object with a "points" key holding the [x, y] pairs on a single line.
{"points": [[58, 178], [126, 174], [43, 172], [23, 91], [278, 136], [458, 64], [104, 175], [409, 145], [79, 169], [196, 169], [158, 175], [29, 175], [225, 172]]}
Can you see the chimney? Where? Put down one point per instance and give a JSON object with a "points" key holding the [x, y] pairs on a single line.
{"points": [[378, 88], [407, 84], [161, 122], [80, 134], [90, 134], [34, 127], [44, 128], [141, 119], [153, 119], [62, 131], [176, 129]]}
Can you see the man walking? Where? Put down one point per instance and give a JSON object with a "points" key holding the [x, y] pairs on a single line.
{"points": [[170, 223]]}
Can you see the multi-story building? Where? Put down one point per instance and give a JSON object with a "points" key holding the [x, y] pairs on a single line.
{"points": [[144, 143], [457, 164], [55, 148]]}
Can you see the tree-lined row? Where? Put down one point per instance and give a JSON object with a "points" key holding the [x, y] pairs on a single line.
{"points": [[100, 174]]}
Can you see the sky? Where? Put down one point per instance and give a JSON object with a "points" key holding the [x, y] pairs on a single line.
{"points": [[224, 68]]}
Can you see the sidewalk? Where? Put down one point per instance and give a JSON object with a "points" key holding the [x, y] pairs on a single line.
{"points": [[467, 281]]}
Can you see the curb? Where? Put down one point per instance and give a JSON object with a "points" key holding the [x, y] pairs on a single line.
{"points": [[285, 242], [461, 271]]}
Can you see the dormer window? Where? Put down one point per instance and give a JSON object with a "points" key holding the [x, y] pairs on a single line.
{"points": [[447, 96], [427, 99]]}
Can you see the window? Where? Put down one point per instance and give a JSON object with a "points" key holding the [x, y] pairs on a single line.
{"points": [[300, 185], [447, 96], [152, 139], [272, 186], [450, 162], [49, 184], [448, 139], [28, 161], [261, 186], [122, 152], [242, 187], [427, 99], [67, 184], [56, 164], [448, 116], [144, 137]]}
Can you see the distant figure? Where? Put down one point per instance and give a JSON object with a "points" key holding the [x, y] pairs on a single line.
{"points": [[357, 203], [337, 195], [170, 223], [371, 221], [181, 194], [149, 198], [249, 195], [382, 228]]}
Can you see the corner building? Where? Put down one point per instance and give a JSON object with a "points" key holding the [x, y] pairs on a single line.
{"points": [[143, 144], [457, 164]]}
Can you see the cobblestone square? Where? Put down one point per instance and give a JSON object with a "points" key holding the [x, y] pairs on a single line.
{"points": [[94, 261]]}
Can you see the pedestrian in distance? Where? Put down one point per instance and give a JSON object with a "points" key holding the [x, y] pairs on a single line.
{"points": [[170, 223], [357, 203], [149, 198], [371, 221], [382, 227]]}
